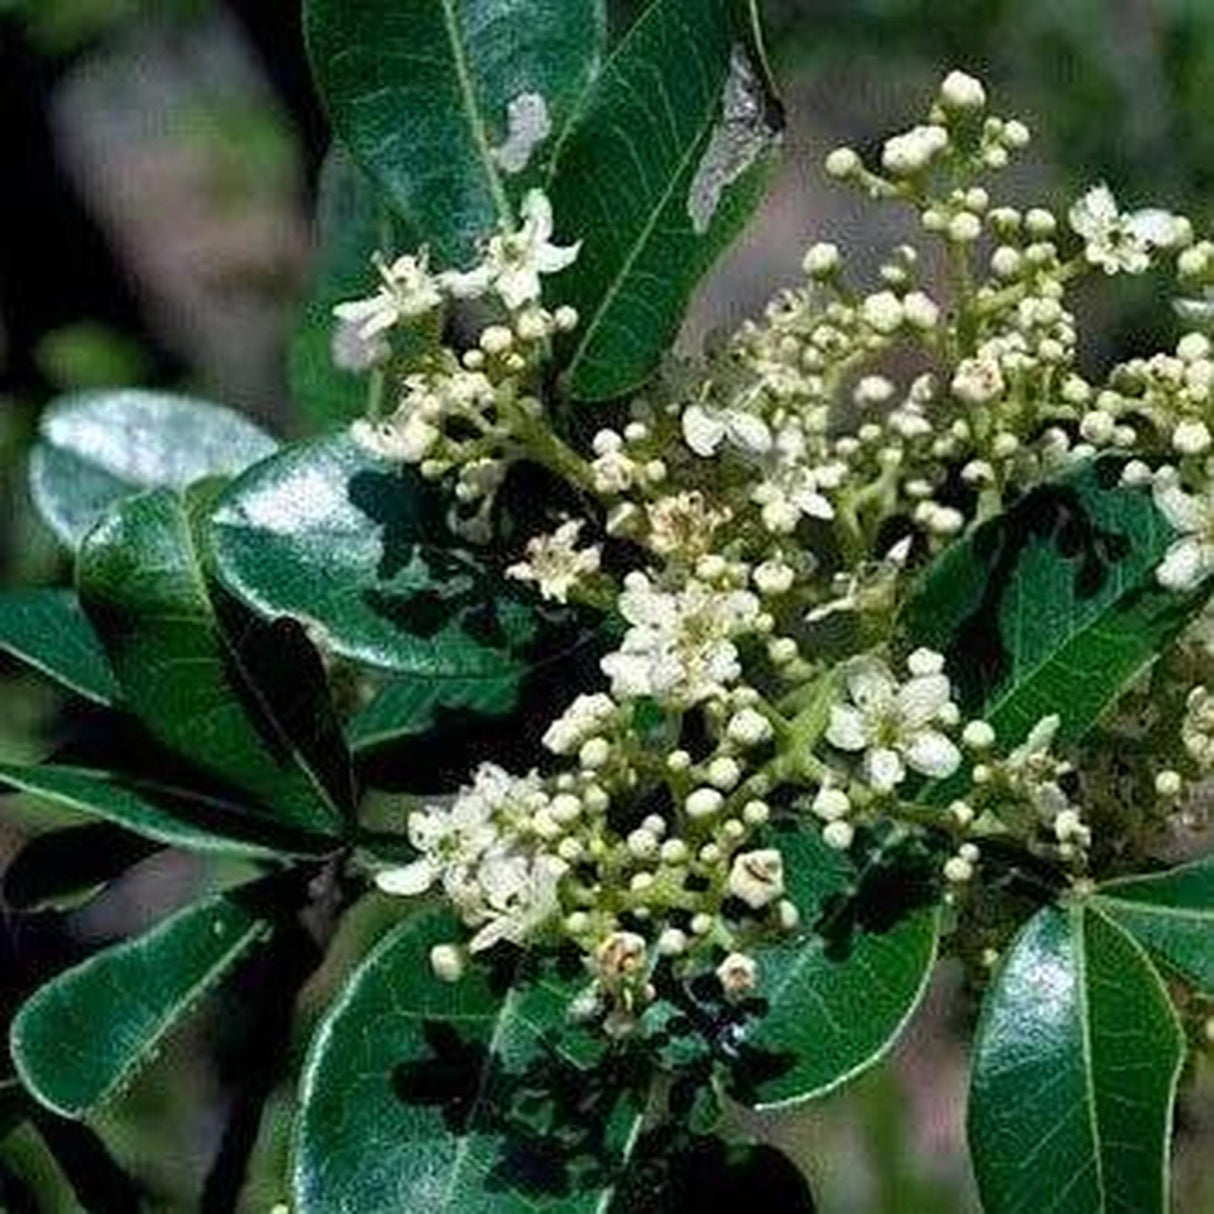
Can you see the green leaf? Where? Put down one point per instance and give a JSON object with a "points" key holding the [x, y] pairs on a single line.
{"points": [[1053, 607], [411, 708], [420, 92], [1171, 914], [78, 1040], [64, 869], [171, 816], [1075, 1067], [664, 166], [419, 1095], [839, 993], [328, 534], [244, 701], [352, 223], [95, 448], [32, 1175], [47, 630]]}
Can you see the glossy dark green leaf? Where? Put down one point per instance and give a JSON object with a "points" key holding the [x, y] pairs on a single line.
{"points": [[64, 869], [174, 817], [95, 448], [421, 92], [245, 701], [419, 1095], [80, 1038], [665, 164], [327, 534], [1075, 1067], [410, 708], [47, 630], [352, 224], [1053, 607], [836, 1002], [1171, 914]]}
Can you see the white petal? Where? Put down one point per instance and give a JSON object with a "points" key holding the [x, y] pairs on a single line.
{"points": [[467, 285], [748, 432], [409, 881], [1041, 736], [932, 754], [552, 259], [921, 698], [702, 431], [1094, 212], [536, 211], [870, 684], [518, 286], [813, 504], [847, 728], [1156, 226], [1184, 511], [497, 929], [1184, 565], [883, 769]]}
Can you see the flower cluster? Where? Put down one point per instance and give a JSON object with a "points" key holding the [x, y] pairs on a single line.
{"points": [[751, 524]]}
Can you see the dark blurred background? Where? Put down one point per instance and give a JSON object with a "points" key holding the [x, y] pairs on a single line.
{"points": [[159, 163]]}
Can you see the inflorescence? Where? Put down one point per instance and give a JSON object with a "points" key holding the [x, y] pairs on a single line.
{"points": [[756, 492]]}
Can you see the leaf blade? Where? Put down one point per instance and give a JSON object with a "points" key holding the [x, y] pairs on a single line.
{"points": [[1170, 914], [169, 816], [95, 448], [1054, 603], [426, 125], [397, 1050], [80, 1037], [858, 1016], [244, 702], [683, 121], [46, 629], [1075, 1068]]}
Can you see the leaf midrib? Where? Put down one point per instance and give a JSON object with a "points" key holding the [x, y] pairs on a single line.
{"points": [[472, 112], [617, 283]]}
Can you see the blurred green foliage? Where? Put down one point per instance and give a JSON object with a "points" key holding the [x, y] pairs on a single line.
{"points": [[62, 27]]}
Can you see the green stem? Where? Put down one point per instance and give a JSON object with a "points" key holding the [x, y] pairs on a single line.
{"points": [[546, 448]]}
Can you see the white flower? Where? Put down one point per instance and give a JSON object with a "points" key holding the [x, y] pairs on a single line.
{"points": [[978, 381], [910, 153], [683, 523], [522, 897], [792, 487], [555, 563], [1117, 241], [621, 960], [515, 260], [583, 719], [1197, 728], [1190, 559], [449, 840], [408, 290], [705, 427], [407, 440], [680, 646], [738, 975], [894, 725], [447, 962], [961, 91], [1191, 437], [757, 877]]}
